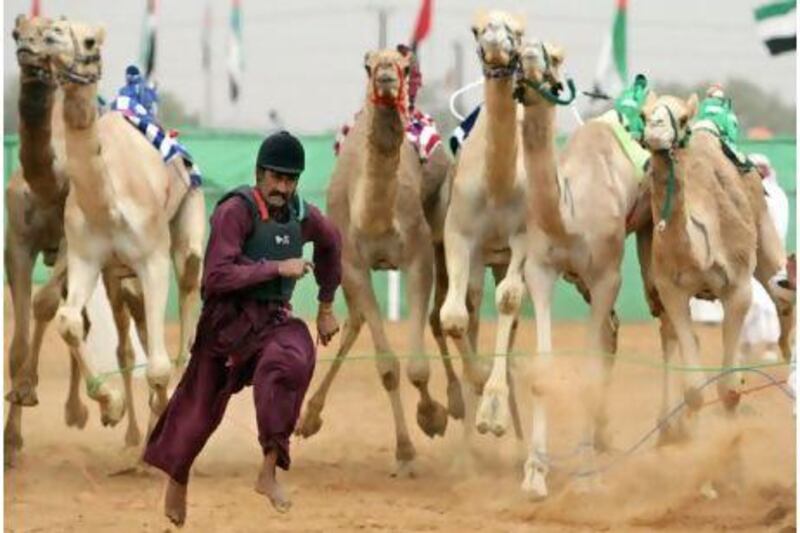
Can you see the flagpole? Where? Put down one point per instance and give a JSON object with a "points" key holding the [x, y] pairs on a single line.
{"points": [[209, 101]]}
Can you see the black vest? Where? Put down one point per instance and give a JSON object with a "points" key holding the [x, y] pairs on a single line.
{"points": [[271, 240]]}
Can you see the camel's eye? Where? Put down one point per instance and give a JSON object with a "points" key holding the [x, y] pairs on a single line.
{"points": [[15, 35], [89, 42]]}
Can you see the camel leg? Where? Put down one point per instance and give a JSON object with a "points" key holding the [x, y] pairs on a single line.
{"points": [[83, 275], [125, 355], [676, 305], [431, 415], [188, 232], [389, 371], [602, 349], [499, 273], [494, 411], [459, 260], [19, 268], [310, 421], [736, 304], [153, 274], [541, 280], [455, 398], [672, 431]]}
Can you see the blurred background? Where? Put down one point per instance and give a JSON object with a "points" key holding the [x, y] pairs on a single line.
{"points": [[229, 72]]}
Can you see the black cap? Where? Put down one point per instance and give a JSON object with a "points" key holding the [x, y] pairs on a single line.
{"points": [[282, 152]]}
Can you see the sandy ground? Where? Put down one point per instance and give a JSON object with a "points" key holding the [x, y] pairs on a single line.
{"points": [[340, 479]]}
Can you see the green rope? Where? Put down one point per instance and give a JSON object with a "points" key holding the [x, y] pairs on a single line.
{"points": [[666, 208], [93, 384]]}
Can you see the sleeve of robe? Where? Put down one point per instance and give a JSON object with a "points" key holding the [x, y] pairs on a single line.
{"points": [[319, 229], [226, 268]]}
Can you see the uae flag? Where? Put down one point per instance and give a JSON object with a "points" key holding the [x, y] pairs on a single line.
{"points": [[611, 75], [235, 62], [423, 26], [777, 25], [148, 59]]}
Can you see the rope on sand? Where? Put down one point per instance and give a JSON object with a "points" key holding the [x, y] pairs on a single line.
{"points": [[772, 382]]}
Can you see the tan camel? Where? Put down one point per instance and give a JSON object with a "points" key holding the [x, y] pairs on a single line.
{"points": [[35, 200], [576, 228], [713, 233], [706, 237], [486, 210], [375, 200], [122, 205]]}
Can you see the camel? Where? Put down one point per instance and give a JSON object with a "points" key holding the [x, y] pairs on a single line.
{"points": [[125, 213], [375, 200], [578, 205], [35, 198], [485, 216], [713, 234]]}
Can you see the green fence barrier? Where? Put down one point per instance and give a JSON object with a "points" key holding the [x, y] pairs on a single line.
{"points": [[227, 160]]}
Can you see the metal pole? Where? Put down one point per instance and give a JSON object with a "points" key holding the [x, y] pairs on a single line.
{"points": [[382, 19]]}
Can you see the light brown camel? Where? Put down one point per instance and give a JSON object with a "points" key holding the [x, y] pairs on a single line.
{"points": [[706, 237], [486, 210], [35, 200], [712, 234], [374, 198], [122, 205], [578, 204]]}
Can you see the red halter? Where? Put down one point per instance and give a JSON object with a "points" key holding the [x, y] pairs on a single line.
{"points": [[398, 102]]}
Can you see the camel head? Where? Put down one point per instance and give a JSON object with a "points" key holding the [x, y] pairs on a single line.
{"points": [[540, 79], [667, 121], [498, 36], [75, 51], [28, 34], [387, 73]]}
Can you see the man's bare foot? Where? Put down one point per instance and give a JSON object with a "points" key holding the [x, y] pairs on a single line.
{"points": [[175, 502], [268, 485]]}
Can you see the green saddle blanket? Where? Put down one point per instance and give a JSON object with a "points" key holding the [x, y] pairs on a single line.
{"points": [[637, 155]]}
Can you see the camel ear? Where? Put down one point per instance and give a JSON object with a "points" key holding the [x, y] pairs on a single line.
{"points": [[692, 105], [649, 103], [100, 35], [556, 54], [479, 21], [519, 23], [18, 20], [367, 63]]}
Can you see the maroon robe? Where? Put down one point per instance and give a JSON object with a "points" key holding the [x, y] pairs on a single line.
{"points": [[241, 341]]}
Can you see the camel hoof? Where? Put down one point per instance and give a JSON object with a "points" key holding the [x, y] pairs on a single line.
{"points": [[310, 424], [404, 470], [455, 401], [708, 491], [693, 397], [493, 413], [112, 409], [23, 395], [76, 415], [432, 418], [534, 483]]}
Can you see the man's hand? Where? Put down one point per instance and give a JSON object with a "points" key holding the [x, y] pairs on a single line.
{"points": [[294, 268], [327, 326]]}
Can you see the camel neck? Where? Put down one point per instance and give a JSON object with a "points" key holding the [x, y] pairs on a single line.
{"points": [[541, 166], [36, 154], [664, 193], [376, 196], [85, 167], [501, 137]]}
